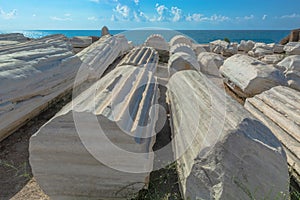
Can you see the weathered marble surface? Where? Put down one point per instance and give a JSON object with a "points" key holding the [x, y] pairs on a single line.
{"points": [[210, 63], [231, 154], [32, 74], [98, 56], [182, 48], [120, 103], [272, 59], [182, 61], [223, 47], [246, 45], [247, 76], [18, 37], [291, 69], [278, 108], [158, 42], [218, 46], [292, 48], [81, 41], [180, 39], [261, 49], [199, 48], [141, 57]]}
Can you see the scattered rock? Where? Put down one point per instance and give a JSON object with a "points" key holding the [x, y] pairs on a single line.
{"points": [[218, 46], [60, 152], [223, 47], [292, 48], [247, 76], [182, 61], [278, 108], [210, 63], [158, 42], [277, 48], [261, 49], [246, 45], [223, 151], [291, 69], [272, 59]]}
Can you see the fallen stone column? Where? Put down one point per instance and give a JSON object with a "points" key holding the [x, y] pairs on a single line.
{"points": [[32, 75], [142, 57], [182, 61], [99, 146], [158, 42], [247, 76], [98, 56], [278, 108], [180, 39], [222, 151], [182, 48]]}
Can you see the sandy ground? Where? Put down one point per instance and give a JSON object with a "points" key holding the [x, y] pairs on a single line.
{"points": [[16, 179]]}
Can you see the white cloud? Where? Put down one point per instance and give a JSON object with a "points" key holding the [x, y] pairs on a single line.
{"points": [[177, 14], [136, 2], [33, 15], [249, 17], [197, 17], [95, 1], [92, 18], [123, 11], [60, 19], [264, 17], [163, 13], [290, 16], [8, 15], [67, 14]]}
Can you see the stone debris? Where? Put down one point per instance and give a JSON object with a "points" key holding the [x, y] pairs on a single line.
{"points": [[291, 69], [247, 76]]}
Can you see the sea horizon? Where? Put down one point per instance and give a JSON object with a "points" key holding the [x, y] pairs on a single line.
{"points": [[138, 36]]}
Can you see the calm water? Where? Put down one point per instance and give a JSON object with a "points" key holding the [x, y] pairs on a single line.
{"points": [[200, 36]]}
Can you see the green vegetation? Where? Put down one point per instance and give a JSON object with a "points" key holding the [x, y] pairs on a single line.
{"points": [[226, 40]]}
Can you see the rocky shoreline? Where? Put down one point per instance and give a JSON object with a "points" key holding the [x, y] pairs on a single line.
{"points": [[255, 148]]}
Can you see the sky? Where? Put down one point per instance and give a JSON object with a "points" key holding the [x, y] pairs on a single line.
{"points": [[131, 14]]}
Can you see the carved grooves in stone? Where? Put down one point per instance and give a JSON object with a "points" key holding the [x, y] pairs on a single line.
{"points": [[224, 144], [142, 56], [121, 102], [34, 73], [278, 109]]}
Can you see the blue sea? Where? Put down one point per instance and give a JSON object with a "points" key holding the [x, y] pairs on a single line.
{"points": [[199, 36]]}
